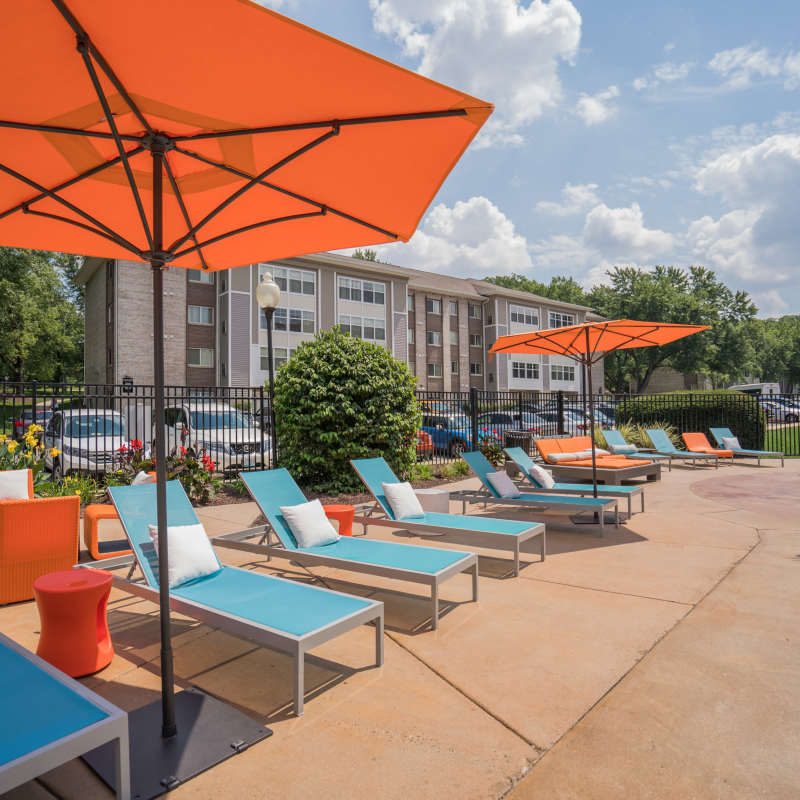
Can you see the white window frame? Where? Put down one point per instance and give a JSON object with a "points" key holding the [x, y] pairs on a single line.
{"points": [[453, 306], [454, 367], [280, 356], [432, 336], [411, 336], [345, 286], [284, 276], [560, 319], [524, 371], [348, 321], [191, 321], [283, 317], [525, 314], [432, 367], [476, 340], [409, 302], [200, 276], [200, 351], [564, 373], [475, 307], [431, 303], [472, 368], [453, 337]]}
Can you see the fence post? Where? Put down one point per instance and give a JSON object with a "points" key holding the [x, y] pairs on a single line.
{"points": [[33, 410], [261, 425], [560, 409], [473, 410], [519, 408]]}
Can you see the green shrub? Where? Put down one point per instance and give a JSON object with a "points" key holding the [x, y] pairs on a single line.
{"points": [[421, 472], [340, 398], [85, 486], [697, 411]]}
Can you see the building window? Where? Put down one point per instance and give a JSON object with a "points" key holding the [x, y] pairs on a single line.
{"points": [[200, 276], [411, 336], [362, 291], [453, 308], [475, 311], [291, 319], [525, 371], [475, 340], [410, 302], [559, 372], [200, 315], [524, 315], [200, 357], [433, 306], [366, 328], [435, 337], [476, 368], [453, 337], [454, 367], [560, 320], [291, 281], [280, 356], [434, 370]]}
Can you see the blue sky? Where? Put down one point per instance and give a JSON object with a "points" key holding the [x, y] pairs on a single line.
{"points": [[624, 133]]}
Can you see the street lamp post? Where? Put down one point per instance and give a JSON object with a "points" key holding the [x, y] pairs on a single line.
{"points": [[268, 295]]}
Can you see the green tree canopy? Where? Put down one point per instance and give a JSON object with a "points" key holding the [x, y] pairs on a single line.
{"points": [[562, 288]]}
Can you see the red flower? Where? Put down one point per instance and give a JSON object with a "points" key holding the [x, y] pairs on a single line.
{"points": [[123, 449], [183, 450], [136, 444]]}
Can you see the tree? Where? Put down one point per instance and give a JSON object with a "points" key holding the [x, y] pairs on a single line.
{"points": [[368, 255], [41, 319], [562, 288]]}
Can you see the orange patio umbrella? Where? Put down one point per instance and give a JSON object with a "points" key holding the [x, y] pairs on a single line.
{"points": [[209, 134], [591, 342]]}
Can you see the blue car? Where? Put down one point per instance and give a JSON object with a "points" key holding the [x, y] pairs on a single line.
{"points": [[451, 433]]}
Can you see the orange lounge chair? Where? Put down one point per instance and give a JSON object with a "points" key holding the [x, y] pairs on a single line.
{"points": [[577, 444], [698, 443]]}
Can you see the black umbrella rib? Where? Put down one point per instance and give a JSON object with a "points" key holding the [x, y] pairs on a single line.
{"points": [[71, 206], [287, 192], [245, 229], [81, 33], [112, 238], [71, 182], [29, 126], [182, 205], [250, 184], [304, 126], [83, 49]]}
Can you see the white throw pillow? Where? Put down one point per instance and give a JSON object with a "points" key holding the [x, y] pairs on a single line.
{"points": [[559, 457], [143, 477], [502, 484], [191, 555], [14, 484], [731, 443], [624, 448], [541, 476], [309, 525], [402, 500]]}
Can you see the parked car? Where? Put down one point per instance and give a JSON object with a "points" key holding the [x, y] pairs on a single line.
{"points": [[26, 419], [230, 438], [779, 412], [450, 433], [87, 440], [424, 445]]}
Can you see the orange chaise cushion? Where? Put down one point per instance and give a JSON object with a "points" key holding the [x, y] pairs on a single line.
{"points": [[698, 443]]}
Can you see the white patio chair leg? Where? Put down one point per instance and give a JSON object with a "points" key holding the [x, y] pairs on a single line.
{"points": [[299, 682]]}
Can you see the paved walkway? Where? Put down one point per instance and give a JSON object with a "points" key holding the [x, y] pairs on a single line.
{"points": [[657, 662]]}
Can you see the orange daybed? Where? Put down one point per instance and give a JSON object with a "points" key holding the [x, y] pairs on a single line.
{"points": [[577, 444]]}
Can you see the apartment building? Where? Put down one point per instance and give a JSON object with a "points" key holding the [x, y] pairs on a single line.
{"points": [[215, 333]]}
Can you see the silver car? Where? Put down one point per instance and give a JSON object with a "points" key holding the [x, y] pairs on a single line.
{"points": [[87, 440]]}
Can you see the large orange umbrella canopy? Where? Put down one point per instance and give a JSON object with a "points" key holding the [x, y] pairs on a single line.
{"points": [[345, 148], [589, 342]]}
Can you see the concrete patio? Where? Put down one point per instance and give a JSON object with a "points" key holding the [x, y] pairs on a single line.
{"points": [[658, 662]]}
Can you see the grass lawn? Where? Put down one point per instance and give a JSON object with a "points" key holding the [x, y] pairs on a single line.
{"points": [[785, 438]]}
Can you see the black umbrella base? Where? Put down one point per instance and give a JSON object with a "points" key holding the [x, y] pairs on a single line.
{"points": [[209, 731], [594, 519]]}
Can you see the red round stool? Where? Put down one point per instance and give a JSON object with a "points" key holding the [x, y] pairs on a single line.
{"points": [[72, 609], [345, 516]]}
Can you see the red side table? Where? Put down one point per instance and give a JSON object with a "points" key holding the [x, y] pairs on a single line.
{"points": [[72, 609], [345, 516]]}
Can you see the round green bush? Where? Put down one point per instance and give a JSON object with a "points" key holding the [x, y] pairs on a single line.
{"points": [[340, 398]]}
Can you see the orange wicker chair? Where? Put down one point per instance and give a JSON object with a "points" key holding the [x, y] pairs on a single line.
{"points": [[37, 536]]}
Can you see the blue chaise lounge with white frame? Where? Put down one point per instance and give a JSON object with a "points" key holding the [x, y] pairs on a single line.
{"points": [[527, 467], [508, 534], [726, 439], [618, 446], [273, 612], [663, 445], [430, 566], [482, 468]]}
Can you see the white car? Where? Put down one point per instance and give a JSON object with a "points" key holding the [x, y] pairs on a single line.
{"points": [[88, 440], [230, 437]]}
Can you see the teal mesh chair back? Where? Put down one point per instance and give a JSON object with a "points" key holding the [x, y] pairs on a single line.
{"points": [[374, 472], [271, 489], [661, 441], [480, 465], [720, 433], [614, 438], [136, 506], [524, 462]]}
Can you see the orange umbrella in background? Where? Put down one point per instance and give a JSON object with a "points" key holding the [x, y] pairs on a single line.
{"points": [[591, 342], [209, 134]]}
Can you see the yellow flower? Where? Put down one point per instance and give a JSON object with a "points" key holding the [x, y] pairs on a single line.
{"points": [[78, 493], [34, 428], [54, 452], [12, 446], [3, 438]]}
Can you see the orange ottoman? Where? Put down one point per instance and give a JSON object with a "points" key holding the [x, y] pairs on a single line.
{"points": [[91, 519], [344, 514], [72, 609]]}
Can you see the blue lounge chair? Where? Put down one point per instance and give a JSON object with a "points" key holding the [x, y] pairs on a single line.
{"points": [[430, 566], [524, 462], [273, 612], [508, 534], [616, 442], [481, 467], [663, 445], [720, 433], [49, 719]]}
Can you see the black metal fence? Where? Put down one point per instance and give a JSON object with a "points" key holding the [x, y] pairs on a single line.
{"points": [[90, 423]]}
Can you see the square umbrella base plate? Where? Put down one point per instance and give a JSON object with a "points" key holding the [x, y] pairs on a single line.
{"points": [[593, 518], [209, 731]]}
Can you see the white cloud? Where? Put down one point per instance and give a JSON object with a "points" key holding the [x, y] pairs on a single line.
{"points": [[666, 72], [474, 238], [499, 50], [597, 108], [576, 198], [669, 47], [619, 234], [740, 65], [770, 303], [640, 83]]}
